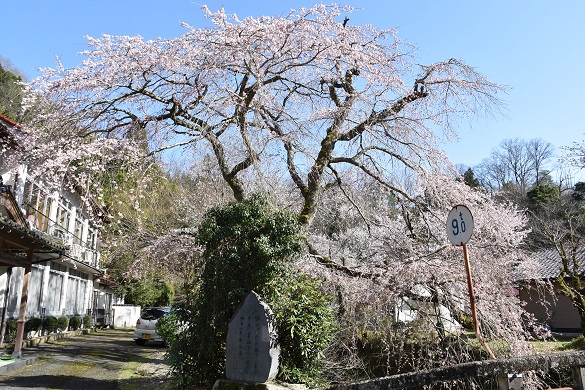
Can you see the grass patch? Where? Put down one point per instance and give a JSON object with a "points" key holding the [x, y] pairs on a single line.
{"points": [[577, 343], [559, 344], [132, 377], [129, 371], [550, 345]]}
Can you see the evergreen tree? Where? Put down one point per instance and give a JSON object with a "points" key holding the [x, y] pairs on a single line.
{"points": [[470, 179], [541, 195], [11, 92], [579, 191]]}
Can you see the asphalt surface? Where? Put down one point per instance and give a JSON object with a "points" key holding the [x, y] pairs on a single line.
{"points": [[105, 360]]}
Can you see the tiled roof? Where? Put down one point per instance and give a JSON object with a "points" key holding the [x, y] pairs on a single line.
{"points": [[42, 240], [546, 264]]}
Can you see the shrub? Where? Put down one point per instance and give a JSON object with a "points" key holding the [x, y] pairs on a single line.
{"points": [[87, 321], [75, 322], [465, 320], [306, 323], [51, 324], [10, 334], [576, 343], [168, 326], [247, 245], [62, 323], [33, 324]]}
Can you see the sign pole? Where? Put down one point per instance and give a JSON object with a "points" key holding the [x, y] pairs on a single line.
{"points": [[459, 231], [472, 303]]}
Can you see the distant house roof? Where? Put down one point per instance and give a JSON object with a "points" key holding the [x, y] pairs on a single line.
{"points": [[546, 264], [7, 127], [7, 119]]}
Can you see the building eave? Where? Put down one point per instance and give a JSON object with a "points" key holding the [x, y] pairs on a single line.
{"points": [[20, 246]]}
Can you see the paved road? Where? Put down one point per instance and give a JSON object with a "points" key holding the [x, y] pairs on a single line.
{"points": [[105, 360]]}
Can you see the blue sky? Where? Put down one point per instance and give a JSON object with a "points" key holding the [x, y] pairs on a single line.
{"points": [[537, 48]]}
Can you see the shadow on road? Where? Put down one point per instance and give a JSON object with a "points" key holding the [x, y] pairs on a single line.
{"points": [[107, 359], [59, 382]]}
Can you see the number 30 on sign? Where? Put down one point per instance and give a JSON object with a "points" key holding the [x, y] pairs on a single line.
{"points": [[459, 225]]}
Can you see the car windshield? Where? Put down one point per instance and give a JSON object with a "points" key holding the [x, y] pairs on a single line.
{"points": [[153, 314]]}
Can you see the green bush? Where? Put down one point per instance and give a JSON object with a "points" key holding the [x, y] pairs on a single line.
{"points": [[168, 326], [51, 324], [247, 247], [87, 321], [10, 333], [33, 324], [306, 323], [465, 320], [75, 322], [62, 323], [576, 343], [396, 348]]}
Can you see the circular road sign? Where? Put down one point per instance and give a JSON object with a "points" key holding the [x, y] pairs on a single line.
{"points": [[459, 225]]}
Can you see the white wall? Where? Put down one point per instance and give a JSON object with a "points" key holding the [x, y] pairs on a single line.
{"points": [[125, 316]]}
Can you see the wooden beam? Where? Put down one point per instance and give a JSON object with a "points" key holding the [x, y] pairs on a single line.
{"points": [[11, 206], [17, 353]]}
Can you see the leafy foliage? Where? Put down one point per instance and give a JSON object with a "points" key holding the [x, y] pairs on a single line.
{"points": [[578, 193], [147, 292], [87, 321], [306, 324], [149, 235], [542, 194], [249, 247], [169, 326], [11, 326], [75, 322], [51, 324], [62, 323], [576, 343], [33, 324], [470, 179], [11, 93]]}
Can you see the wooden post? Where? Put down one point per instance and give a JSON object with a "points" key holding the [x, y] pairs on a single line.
{"points": [[17, 353], [472, 304], [5, 310], [579, 378]]}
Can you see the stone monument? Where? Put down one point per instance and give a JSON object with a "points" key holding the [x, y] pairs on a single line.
{"points": [[252, 348]]}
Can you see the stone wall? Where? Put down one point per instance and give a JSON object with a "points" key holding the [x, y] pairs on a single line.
{"points": [[485, 368]]}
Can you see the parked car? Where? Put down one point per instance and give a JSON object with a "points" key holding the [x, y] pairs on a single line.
{"points": [[146, 325]]}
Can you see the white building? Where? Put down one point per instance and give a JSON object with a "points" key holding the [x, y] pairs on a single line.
{"points": [[49, 250]]}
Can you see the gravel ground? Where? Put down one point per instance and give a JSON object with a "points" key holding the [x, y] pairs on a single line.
{"points": [[104, 360]]}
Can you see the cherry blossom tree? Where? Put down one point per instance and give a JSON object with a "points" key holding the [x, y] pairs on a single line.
{"points": [[307, 94], [400, 255], [317, 112]]}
